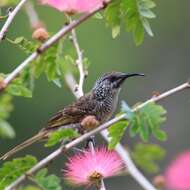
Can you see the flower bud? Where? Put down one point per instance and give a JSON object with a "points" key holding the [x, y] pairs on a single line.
{"points": [[159, 181], [40, 34]]}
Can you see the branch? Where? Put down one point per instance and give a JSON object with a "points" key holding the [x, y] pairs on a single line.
{"points": [[79, 62], [75, 142], [62, 32], [32, 15], [10, 19], [72, 84], [130, 166], [79, 90]]}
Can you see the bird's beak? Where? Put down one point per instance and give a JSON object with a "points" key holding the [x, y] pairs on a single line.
{"points": [[124, 76], [127, 75]]}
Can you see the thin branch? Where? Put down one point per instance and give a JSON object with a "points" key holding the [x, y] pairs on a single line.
{"points": [[75, 142], [102, 185], [62, 32], [32, 15], [72, 84], [130, 166], [79, 60], [10, 19], [79, 90]]}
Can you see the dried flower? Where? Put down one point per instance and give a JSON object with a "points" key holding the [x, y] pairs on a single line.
{"points": [[74, 6], [178, 173], [159, 181], [89, 168], [89, 122], [40, 34]]}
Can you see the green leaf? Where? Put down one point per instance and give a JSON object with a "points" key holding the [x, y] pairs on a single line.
{"points": [[160, 134], [6, 130], [147, 13], [98, 16], [146, 155], [47, 182], [112, 13], [112, 16], [8, 2], [138, 33], [6, 106], [19, 90], [147, 4], [136, 13], [47, 63], [11, 170], [116, 132], [126, 109], [147, 121], [115, 31], [29, 187], [22, 85], [147, 26], [61, 134], [38, 67], [24, 44]]}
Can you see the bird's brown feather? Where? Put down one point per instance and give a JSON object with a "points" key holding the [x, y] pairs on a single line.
{"points": [[73, 113]]}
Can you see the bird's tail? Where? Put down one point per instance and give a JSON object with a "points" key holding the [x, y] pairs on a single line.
{"points": [[23, 145]]}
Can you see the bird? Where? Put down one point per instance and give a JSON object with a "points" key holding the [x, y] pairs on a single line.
{"points": [[99, 104]]}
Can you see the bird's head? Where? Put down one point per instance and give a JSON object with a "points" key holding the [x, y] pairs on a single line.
{"points": [[111, 82]]}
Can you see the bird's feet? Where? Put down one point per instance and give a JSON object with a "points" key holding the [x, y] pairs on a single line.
{"points": [[90, 140]]}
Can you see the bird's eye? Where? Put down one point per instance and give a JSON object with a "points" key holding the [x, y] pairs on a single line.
{"points": [[112, 79]]}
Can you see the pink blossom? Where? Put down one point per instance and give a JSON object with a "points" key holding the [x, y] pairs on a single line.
{"points": [[178, 173], [88, 168], [74, 6]]}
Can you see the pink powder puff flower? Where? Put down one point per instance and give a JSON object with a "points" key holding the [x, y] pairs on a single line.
{"points": [[89, 168], [178, 173], [75, 6]]}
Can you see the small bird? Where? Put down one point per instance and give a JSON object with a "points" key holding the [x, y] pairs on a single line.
{"points": [[99, 104]]}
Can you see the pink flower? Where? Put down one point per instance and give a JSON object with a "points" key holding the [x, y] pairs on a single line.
{"points": [[74, 6], [88, 168], [178, 173]]}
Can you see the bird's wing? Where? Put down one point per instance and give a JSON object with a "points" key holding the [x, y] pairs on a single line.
{"points": [[73, 113]]}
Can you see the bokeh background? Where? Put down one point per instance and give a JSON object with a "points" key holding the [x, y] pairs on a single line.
{"points": [[164, 59]]}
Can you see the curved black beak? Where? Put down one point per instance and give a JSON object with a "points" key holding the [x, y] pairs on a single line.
{"points": [[127, 75], [124, 76]]}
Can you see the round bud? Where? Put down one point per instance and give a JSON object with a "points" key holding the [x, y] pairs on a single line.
{"points": [[159, 181], [40, 34], [89, 122]]}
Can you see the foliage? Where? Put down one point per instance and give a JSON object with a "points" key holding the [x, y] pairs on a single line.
{"points": [[62, 134], [24, 44], [47, 182], [146, 121], [11, 170], [116, 132], [8, 2], [6, 131], [134, 13], [29, 187], [53, 63], [46, 63], [145, 156], [19, 87]]}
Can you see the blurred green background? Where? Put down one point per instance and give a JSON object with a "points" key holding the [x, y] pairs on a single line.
{"points": [[164, 59]]}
